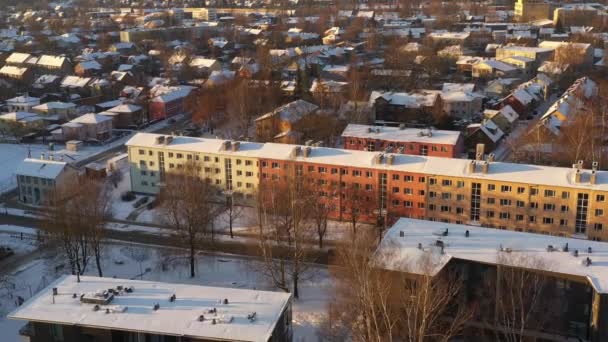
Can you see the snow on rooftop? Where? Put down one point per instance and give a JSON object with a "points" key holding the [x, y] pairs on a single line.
{"points": [[90, 118], [40, 168], [499, 171], [483, 245], [401, 135], [134, 311]]}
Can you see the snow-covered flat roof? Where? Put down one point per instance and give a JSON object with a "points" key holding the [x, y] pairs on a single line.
{"points": [[432, 166], [401, 135], [134, 311], [402, 253]]}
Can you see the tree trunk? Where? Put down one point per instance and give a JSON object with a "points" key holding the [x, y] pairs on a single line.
{"points": [[296, 292], [320, 240], [98, 263], [191, 261]]}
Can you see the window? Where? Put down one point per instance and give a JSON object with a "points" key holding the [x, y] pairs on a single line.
{"points": [[369, 174], [356, 173], [491, 200], [248, 163], [519, 217], [599, 212], [520, 204], [521, 190], [565, 208], [460, 184], [322, 169], [179, 156], [532, 219], [238, 162], [505, 188], [533, 205], [431, 207], [343, 172], [489, 214], [505, 202], [432, 194], [170, 154], [334, 171], [368, 187], [217, 159], [600, 198], [597, 226], [446, 195], [563, 222], [275, 165], [549, 193], [421, 179], [408, 204], [311, 168], [395, 203], [142, 152], [549, 207], [491, 187], [408, 191], [504, 216], [459, 210], [547, 220], [408, 178], [460, 197], [446, 182], [445, 209], [395, 177], [143, 173], [420, 192], [420, 205], [264, 163], [533, 191], [395, 190], [432, 181], [151, 163], [248, 173], [565, 195]]}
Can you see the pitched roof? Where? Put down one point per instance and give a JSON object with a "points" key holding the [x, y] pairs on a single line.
{"points": [[41, 168]]}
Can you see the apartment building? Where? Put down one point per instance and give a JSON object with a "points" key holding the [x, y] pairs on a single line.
{"points": [[123, 310], [424, 142], [531, 198], [229, 165], [570, 306]]}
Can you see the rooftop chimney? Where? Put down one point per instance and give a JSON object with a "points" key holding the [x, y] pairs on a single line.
{"points": [[577, 176], [480, 150], [594, 166], [593, 178], [378, 158], [226, 145], [484, 167], [471, 166], [491, 157], [168, 140], [235, 146], [390, 159], [307, 151]]}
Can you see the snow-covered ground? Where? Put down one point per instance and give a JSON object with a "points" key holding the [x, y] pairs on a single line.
{"points": [[169, 265]]}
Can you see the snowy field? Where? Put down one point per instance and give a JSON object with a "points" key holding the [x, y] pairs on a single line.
{"points": [[168, 265]]}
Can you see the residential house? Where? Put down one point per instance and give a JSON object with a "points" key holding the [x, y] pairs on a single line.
{"points": [[59, 111], [20, 75], [39, 179], [487, 133], [493, 68], [280, 124], [22, 103], [505, 118], [461, 100], [169, 101], [88, 69], [126, 115], [87, 127], [414, 107]]}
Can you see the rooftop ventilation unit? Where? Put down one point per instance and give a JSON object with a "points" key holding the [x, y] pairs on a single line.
{"points": [[156, 307], [160, 139], [168, 140], [587, 261], [252, 316], [235, 146], [100, 297]]}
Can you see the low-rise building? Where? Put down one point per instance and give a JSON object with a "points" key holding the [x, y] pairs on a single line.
{"points": [[425, 142], [533, 198], [571, 276], [280, 124], [39, 179], [111, 309]]}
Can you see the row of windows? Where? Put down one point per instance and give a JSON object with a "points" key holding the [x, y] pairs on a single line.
{"points": [[196, 157], [411, 147], [36, 180]]}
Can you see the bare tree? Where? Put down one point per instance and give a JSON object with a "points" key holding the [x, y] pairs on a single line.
{"points": [[416, 304], [232, 213], [523, 298], [285, 229], [76, 216], [185, 206], [139, 255]]}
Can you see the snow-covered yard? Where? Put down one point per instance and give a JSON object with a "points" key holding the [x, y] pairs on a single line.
{"points": [[168, 265]]}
